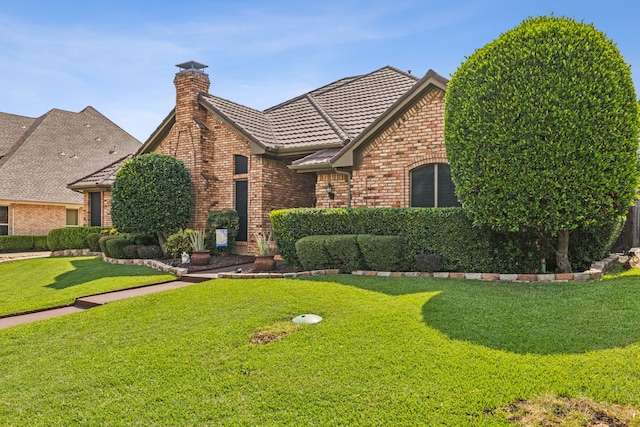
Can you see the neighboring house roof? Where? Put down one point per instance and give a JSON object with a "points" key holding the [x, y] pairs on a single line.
{"points": [[101, 179], [328, 117], [55, 149], [12, 129]]}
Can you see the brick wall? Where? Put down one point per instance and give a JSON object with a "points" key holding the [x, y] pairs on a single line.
{"points": [[340, 186], [381, 177], [27, 219], [105, 214]]}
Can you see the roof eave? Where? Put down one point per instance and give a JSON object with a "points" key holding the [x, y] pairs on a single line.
{"points": [[159, 134]]}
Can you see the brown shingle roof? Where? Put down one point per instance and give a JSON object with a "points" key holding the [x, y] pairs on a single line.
{"points": [[58, 148], [327, 117], [101, 179]]}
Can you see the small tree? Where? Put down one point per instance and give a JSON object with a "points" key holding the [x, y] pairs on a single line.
{"points": [[151, 194], [541, 129]]}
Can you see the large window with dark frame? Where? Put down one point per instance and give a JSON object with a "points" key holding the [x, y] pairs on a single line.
{"points": [[4, 220], [431, 186]]}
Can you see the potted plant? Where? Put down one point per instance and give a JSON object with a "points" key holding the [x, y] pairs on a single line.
{"points": [[264, 260], [200, 255]]}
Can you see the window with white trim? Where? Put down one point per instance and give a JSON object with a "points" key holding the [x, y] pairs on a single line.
{"points": [[72, 217], [431, 186], [4, 220]]}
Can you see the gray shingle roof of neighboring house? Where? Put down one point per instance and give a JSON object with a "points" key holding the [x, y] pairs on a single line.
{"points": [[55, 149], [12, 129], [328, 117]]}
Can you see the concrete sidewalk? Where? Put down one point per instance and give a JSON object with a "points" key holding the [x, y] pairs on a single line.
{"points": [[23, 255]]}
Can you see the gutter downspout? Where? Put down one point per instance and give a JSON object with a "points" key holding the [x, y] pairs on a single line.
{"points": [[348, 174]]}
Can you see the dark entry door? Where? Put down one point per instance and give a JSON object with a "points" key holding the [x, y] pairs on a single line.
{"points": [[96, 208], [242, 207]]}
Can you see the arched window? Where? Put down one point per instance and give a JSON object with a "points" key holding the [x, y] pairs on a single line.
{"points": [[431, 186]]}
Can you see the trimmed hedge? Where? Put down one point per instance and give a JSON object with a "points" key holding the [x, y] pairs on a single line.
{"points": [[382, 253], [103, 244], [312, 253], [71, 237], [115, 247], [447, 232], [350, 252], [16, 243]]}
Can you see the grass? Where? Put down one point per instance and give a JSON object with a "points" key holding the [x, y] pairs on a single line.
{"points": [[34, 284], [389, 352]]}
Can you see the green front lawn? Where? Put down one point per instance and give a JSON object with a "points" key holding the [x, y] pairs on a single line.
{"points": [[389, 351], [34, 284]]}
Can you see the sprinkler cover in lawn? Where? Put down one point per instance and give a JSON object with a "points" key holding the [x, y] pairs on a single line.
{"points": [[307, 318]]}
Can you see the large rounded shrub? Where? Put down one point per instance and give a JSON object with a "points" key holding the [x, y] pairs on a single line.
{"points": [[541, 130], [151, 194]]}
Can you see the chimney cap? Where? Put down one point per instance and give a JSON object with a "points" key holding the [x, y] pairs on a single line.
{"points": [[192, 66]]}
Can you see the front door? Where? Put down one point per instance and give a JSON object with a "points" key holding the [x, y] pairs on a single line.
{"points": [[242, 207], [95, 206]]}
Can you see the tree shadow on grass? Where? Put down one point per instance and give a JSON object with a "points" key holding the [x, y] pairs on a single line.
{"points": [[87, 270], [540, 318]]}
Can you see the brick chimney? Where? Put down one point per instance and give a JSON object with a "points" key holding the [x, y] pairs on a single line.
{"points": [[190, 81]]}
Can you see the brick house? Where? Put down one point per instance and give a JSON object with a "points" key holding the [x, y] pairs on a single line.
{"points": [[371, 140], [39, 156]]}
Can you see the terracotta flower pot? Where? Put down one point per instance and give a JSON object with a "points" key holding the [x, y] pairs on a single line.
{"points": [[200, 258], [264, 263]]}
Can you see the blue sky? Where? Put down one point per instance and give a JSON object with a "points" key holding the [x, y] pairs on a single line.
{"points": [[120, 56]]}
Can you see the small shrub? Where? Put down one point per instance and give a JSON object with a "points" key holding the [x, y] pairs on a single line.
{"points": [[344, 253], [149, 251], [130, 251], [144, 239], [116, 245], [382, 253], [312, 253], [178, 243], [102, 242], [428, 262], [92, 239]]}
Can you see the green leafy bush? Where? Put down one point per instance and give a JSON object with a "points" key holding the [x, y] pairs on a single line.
{"points": [[151, 194], [178, 243], [102, 242], [115, 247], [92, 239], [16, 243], [40, 243], [448, 232], [312, 253], [382, 253], [535, 141], [130, 251], [223, 218], [344, 252], [149, 251], [71, 237]]}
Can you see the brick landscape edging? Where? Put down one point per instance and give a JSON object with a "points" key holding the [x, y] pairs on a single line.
{"points": [[595, 272]]}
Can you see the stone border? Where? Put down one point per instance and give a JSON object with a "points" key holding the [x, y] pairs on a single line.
{"points": [[595, 272], [155, 264]]}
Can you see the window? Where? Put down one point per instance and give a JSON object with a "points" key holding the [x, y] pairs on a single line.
{"points": [[4, 220], [72, 217], [241, 165], [431, 186]]}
